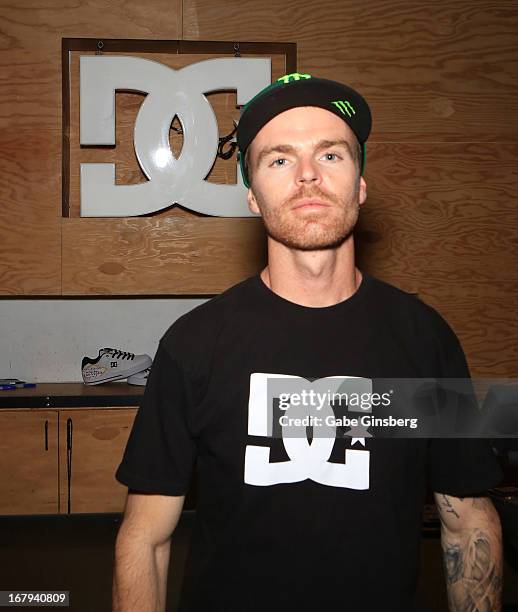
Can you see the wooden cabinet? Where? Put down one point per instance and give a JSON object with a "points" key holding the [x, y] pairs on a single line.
{"points": [[92, 443], [60, 445], [62, 461], [29, 462]]}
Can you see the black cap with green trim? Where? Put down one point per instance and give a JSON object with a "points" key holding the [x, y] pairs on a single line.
{"points": [[294, 90]]}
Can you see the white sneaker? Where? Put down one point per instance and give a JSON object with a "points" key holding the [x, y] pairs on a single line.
{"points": [[140, 378], [112, 364]]}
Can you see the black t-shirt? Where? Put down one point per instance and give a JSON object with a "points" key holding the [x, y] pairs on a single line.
{"points": [[273, 532]]}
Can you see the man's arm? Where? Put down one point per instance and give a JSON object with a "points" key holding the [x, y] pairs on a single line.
{"points": [[472, 553], [142, 552]]}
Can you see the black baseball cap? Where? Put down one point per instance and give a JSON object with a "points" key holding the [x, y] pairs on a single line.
{"points": [[294, 90]]}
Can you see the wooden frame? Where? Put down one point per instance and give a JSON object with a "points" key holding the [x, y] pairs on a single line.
{"points": [[149, 46], [174, 251]]}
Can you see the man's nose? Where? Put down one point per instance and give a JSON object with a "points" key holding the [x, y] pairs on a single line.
{"points": [[308, 170]]}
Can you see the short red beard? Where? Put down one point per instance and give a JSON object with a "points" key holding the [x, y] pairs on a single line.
{"points": [[311, 232]]}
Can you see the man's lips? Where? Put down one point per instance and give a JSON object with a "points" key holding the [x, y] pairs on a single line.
{"points": [[309, 202]]}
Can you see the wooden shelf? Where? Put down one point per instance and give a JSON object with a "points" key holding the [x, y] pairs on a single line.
{"points": [[77, 395]]}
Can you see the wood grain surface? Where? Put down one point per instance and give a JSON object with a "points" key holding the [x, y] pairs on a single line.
{"points": [[29, 474], [430, 70], [177, 254], [30, 228], [443, 211], [98, 441], [30, 122]]}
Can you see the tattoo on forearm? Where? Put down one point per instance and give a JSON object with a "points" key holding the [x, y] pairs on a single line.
{"points": [[453, 564], [446, 506], [473, 575]]}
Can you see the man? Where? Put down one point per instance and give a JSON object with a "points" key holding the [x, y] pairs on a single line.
{"points": [[289, 522]]}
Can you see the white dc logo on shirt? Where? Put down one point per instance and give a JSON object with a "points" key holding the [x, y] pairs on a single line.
{"points": [[305, 460]]}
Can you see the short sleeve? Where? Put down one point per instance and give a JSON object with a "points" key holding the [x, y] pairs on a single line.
{"points": [[161, 451], [459, 466], [462, 466]]}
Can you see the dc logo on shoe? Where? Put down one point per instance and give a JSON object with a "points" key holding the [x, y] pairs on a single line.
{"points": [[171, 93], [97, 370]]}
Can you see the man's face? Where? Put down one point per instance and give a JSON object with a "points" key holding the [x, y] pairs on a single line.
{"points": [[305, 178]]}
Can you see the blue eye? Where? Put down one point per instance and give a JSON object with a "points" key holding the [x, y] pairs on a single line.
{"points": [[279, 162], [330, 156]]}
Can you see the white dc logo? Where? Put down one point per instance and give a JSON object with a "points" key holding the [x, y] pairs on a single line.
{"points": [[306, 460], [170, 92]]}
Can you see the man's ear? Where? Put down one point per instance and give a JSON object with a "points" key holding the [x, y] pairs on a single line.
{"points": [[252, 202], [362, 194]]}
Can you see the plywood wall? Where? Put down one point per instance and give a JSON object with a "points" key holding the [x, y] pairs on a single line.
{"points": [[30, 122], [441, 77]]}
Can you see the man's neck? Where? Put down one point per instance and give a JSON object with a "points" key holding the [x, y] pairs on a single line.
{"points": [[312, 278]]}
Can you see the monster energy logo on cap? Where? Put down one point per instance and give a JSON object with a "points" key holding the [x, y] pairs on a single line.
{"points": [[294, 76], [344, 106]]}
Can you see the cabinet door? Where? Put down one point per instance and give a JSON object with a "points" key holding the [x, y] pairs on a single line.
{"points": [[92, 443], [29, 461]]}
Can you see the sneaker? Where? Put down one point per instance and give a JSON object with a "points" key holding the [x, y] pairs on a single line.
{"points": [[140, 378], [112, 364]]}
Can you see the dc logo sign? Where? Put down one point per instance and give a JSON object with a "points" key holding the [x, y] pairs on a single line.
{"points": [[170, 93], [303, 400]]}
